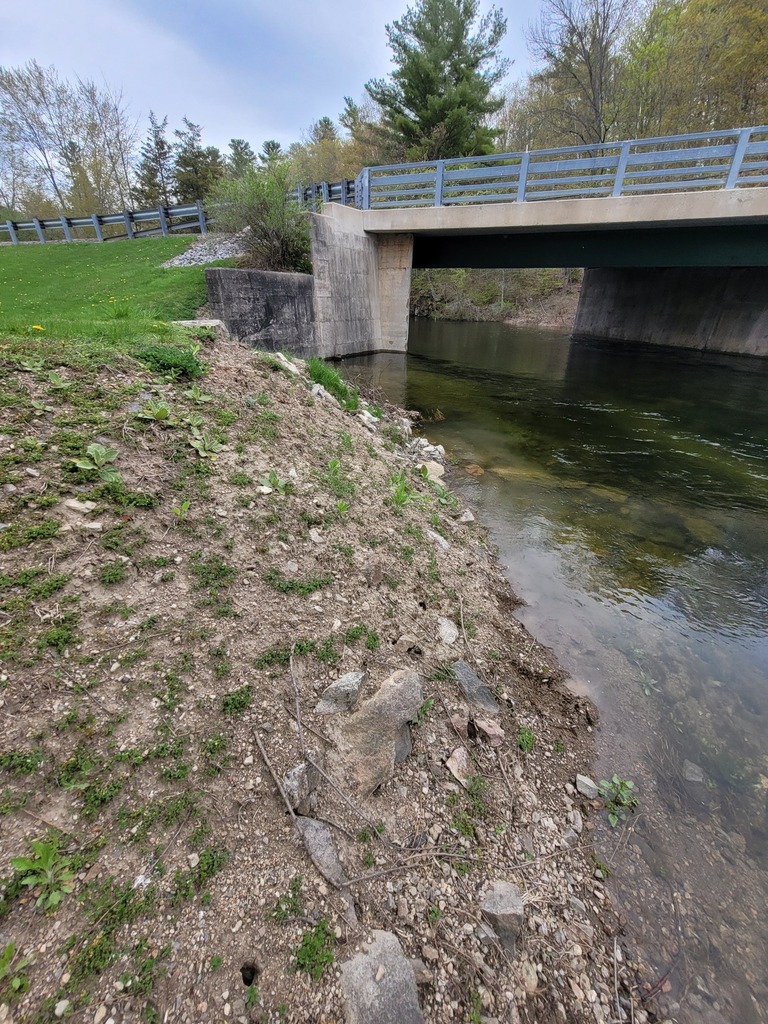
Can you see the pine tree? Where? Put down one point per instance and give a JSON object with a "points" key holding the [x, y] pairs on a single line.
{"points": [[240, 159], [437, 101], [197, 169], [154, 174]]}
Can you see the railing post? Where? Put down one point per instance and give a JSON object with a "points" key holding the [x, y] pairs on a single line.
{"points": [[522, 177], [96, 221], [367, 188], [439, 178], [66, 228], [162, 215], [38, 228], [201, 218], [324, 192], [128, 223], [738, 158], [621, 170], [344, 188], [12, 231]]}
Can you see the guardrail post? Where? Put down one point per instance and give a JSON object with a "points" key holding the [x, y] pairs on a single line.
{"points": [[201, 218], [522, 177], [128, 223], [344, 189], [162, 215], [621, 170], [96, 221], [367, 188], [12, 231], [38, 228], [738, 158], [66, 228], [324, 192], [439, 178]]}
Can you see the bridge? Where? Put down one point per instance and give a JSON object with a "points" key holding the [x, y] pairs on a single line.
{"points": [[674, 231]]}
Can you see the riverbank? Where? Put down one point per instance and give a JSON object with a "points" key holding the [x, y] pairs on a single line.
{"points": [[168, 638]]}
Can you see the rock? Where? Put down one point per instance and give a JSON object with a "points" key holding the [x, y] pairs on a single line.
{"points": [[430, 953], [286, 364], [368, 419], [576, 820], [473, 688], [530, 977], [320, 392], [193, 859], [10, 488], [692, 772], [300, 785], [587, 787], [492, 731], [466, 517], [61, 1007], [441, 542], [474, 470], [100, 1014], [421, 974], [447, 631], [377, 736], [34, 473], [408, 644], [341, 695], [322, 852], [80, 506], [218, 326], [459, 765], [316, 537], [503, 909], [434, 471], [570, 838], [379, 987]]}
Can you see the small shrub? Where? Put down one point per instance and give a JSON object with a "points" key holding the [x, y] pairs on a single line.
{"points": [[526, 739], [177, 362], [315, 952], [238, 701], [112, 572]]}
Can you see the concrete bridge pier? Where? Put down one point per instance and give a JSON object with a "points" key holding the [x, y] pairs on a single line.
{"points": [[362, 285]]}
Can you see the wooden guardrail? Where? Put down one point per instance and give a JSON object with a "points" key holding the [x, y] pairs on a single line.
{"points": [[168, 220]]}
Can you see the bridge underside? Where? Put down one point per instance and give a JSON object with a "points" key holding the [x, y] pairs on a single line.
{"points": [[744, 245]]}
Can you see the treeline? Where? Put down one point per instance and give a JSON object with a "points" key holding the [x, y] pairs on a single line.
{"points": [[606, 70]]}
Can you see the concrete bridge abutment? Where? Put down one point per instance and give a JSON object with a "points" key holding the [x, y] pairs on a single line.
{"points": [[362, 285], [712, 309]]}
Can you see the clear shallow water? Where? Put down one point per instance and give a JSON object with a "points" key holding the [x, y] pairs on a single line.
{"points": [[627, 490]]}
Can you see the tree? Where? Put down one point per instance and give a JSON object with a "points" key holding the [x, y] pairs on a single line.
{"points": [[270, 152], [579, 42], [438, 100], [197, 168], [240, 159], [154, 175], [75, 139]]}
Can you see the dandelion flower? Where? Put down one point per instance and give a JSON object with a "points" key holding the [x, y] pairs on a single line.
{"points": [[37, 327]]}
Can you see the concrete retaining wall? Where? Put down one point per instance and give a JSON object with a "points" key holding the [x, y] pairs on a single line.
{"points": [[268, 310], [706, 308]]}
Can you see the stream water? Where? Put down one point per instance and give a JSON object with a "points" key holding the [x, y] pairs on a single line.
{"points": [[627, 491]]}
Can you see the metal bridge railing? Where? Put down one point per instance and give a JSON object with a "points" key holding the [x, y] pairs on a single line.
{"points": [[165, 220], [730, 159]]}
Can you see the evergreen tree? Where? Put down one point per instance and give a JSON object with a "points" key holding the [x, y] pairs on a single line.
{"points": [[270, 152], [437, 101], [197, 168], [240, 159], [154, 174]]}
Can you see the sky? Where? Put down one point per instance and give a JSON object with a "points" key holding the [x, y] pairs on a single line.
{"points": [[251, 69]]}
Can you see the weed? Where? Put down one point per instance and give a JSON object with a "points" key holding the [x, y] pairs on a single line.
{"points": [[345, 443], [196, 395], [315, 952], [287, 585], [423, 711], [206, 446], [559, 747], [321, 373], [240, 479], [158, 411], [17, 536], [402, 493], [443, 674], [372, 641], [211, 574], [290, 904], [368, 859], [175, 362], [112, 572], [618, 797], [337, 483], [13, 981], [98, 460], [526, 739], [327, 652], [434, 914], [238, 701], [477, 788], [278, 483], [48, 870], [21, 762]]}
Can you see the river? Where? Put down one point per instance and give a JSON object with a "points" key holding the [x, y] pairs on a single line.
{"points": [[627, 491]]}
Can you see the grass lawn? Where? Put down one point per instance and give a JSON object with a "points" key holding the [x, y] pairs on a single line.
{"points": [[106, 297]]}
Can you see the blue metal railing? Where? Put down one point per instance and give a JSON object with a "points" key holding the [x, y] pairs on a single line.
{"points": [[730, 159], [168, 220]]}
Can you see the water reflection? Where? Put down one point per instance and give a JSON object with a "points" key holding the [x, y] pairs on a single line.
{"points": [[628, 491]]}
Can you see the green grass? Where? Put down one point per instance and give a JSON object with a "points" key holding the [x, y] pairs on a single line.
{"points": [[116, 297]]}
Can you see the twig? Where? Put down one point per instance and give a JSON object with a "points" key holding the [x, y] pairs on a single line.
{"points": [[50, 824], [309, 728], [136, 640], [616, 978], [275, 779], [463, 630], [298, 705], [407, 863]]}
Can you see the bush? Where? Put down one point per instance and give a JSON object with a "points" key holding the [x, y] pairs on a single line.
{"points": [[279, 235]]}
